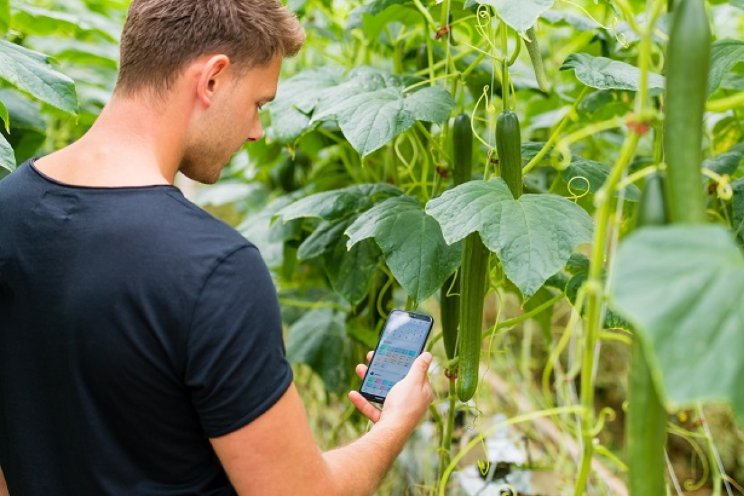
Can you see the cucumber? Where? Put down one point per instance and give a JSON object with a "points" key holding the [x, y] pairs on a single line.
{"points": [[462, 149], [652, 209], [422, 57], [646, 419], [509, 147], [462, 155], [474, 272], [533, 48], [688, 59]]}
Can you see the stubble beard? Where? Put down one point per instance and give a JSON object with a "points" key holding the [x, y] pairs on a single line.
{"points": [[203, 162]]}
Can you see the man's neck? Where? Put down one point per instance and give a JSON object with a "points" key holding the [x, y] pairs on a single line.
{"points": [[133, 143]]}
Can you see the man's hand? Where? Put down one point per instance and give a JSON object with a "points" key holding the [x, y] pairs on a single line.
{"points": [[407, 402], [276, 455], [3, 486]]}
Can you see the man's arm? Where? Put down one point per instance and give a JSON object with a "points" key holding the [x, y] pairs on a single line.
{"points": [[277, 455], [3, 485]]}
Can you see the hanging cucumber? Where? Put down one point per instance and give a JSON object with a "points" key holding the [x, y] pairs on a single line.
{"points": [[462, 156], [652, 209], [474, 273], [533, 48], [686, 91], [509, 147], [646, 420], [422, 57]]}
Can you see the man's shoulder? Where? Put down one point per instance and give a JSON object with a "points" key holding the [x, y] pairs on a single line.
{"points": [[186, 229]]}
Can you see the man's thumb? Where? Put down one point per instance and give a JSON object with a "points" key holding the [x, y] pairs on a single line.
{"points": [[421, 364]]}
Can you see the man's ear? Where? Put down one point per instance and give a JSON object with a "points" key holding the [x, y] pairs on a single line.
{"points": [[214, 73]]}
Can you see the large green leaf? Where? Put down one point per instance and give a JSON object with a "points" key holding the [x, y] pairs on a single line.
{"points": [[411, 242], [681, 287], [371, 108], [533, 236], [519, 14], [603, 73], [30, 72], [319, 340], [7, 157], [78, 52], [36, 20], [372, 8], [350, 271], [338, 203], [323, 238], [295, 101], [724, 55]]}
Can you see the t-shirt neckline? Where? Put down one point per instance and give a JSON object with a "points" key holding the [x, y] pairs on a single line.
{"points": [[32, 165]]}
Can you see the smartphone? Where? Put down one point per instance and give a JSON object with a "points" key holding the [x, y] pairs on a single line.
{"points": [[402, 340]]}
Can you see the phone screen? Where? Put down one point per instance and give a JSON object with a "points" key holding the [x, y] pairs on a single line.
{"points": [[402, 340]]}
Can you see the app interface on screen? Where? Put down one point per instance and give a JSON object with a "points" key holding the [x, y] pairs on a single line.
{"points": [[400, 345]]}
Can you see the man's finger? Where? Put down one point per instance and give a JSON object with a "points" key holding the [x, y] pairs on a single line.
{"points": [[369, 356], [420, 366], [364, 406], [360, 370]]}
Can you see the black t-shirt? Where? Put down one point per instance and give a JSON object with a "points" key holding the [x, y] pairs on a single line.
{"points": [[133, 327]]}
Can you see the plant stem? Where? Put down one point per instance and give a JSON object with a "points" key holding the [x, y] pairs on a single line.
{"points": [[595, 300], [446, 448], [555, 134]]}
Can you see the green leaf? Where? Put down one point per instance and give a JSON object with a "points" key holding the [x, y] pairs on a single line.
{"points": [[681, 287], [737, 209], [519, 14], [295, 101], [603, 73], [5, 116], [727, 162], [78, 52], [30, 72], [372, 8], [319, 340], [333, 205], [411, 242], [323, 239], [351, 271], [533, 236], [432, 104], [565, 18], [7, 157], [4, 16], [587, 175], [724, 55], [371, 108], [36, 20]]}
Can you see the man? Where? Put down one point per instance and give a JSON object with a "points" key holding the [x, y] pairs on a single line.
{"points": [[140, 339]]}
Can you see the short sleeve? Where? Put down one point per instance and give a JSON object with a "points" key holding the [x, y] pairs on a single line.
{"points": [[236, 367]]}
